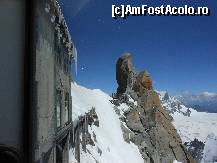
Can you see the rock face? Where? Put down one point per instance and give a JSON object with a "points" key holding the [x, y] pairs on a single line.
{"points": [[146, 123], [125, 73]]}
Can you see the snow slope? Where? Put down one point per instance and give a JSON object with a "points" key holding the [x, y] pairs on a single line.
{"points": [[110, 146], [199, 125]]}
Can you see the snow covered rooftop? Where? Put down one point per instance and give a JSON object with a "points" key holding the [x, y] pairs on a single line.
{"points": [[53, 9]]}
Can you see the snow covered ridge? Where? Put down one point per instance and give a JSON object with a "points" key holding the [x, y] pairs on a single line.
{"points": [[172, 105], [195, 125], [110, 146]]}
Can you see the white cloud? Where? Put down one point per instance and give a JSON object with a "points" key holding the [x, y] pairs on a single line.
{"points": [[211, 94]]}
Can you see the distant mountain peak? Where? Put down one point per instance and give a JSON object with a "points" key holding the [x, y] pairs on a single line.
{"points": [[172, 104], [205, 101]]}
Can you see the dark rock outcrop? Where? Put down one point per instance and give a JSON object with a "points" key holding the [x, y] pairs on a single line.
{"points": [[147, 124], [196, 148], [125, 73], [81, 136], [166, 97]]}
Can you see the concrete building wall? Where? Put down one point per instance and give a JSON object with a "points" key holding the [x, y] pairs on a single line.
{"points": [[45, 78], [52, 76]]}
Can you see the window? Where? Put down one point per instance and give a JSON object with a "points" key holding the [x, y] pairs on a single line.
{"points": [[58, 108], [66, 107], [57, 47]]}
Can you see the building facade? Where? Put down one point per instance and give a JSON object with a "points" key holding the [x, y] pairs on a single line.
{"points": [[53, 52]]}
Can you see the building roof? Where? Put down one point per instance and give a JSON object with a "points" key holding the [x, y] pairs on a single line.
{"points": [[53, 9]]}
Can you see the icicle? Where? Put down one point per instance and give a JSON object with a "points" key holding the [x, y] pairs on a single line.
{"points": [[76, 60]]}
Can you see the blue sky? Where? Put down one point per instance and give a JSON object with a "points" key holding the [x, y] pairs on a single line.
{"points": [[180, 52]]}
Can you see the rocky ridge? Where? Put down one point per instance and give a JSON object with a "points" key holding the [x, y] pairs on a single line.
{"points": [[144, 121], [175, 107]]}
